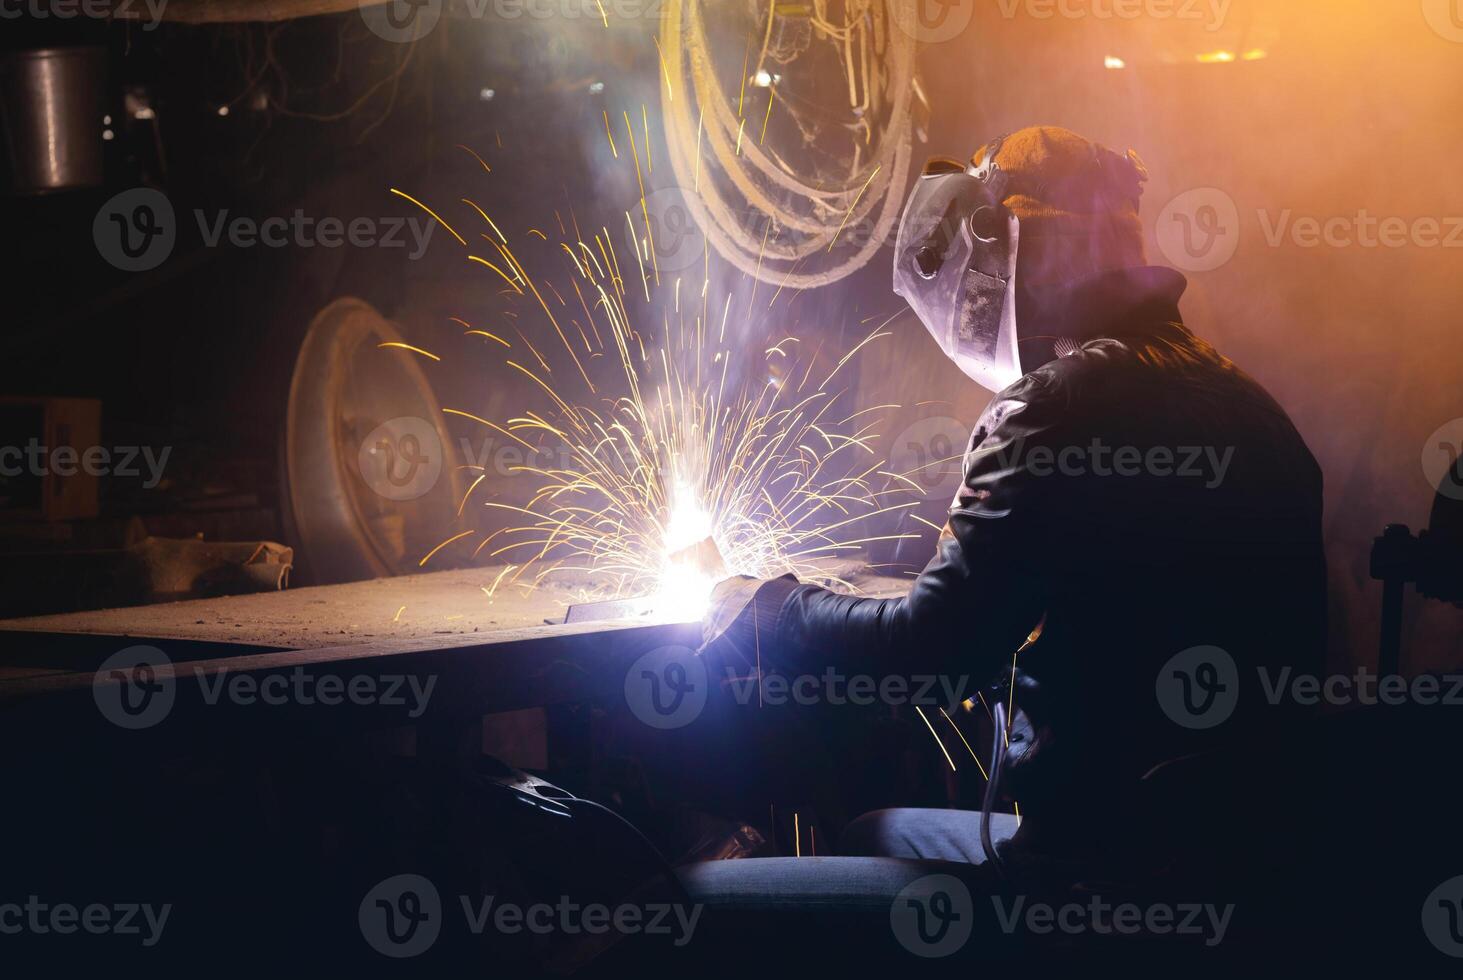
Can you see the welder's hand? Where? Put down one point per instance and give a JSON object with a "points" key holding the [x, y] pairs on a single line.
{"points": [[733, 613], [729, 600]]}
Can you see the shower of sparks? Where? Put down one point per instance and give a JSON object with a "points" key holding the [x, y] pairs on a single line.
{"points": [[670, 444]]}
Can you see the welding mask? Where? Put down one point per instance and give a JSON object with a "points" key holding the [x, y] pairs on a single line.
{"points": [[955, 264]]}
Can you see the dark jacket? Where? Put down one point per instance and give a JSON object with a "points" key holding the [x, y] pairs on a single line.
{"points": [[1141, 493]]}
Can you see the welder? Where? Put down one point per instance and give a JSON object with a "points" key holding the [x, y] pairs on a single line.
{"points": [[1135, 511]]}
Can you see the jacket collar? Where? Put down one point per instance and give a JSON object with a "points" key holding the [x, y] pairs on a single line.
{"points": [[1121, 302]]}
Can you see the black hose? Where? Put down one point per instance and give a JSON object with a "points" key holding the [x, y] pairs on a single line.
{"points": [[664, 867], [992, 790]]}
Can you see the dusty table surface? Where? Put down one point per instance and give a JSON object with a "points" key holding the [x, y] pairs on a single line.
{"points": [[451, 606]]}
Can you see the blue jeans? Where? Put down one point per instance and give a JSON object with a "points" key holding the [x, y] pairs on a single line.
{"points": [[913, 885]]}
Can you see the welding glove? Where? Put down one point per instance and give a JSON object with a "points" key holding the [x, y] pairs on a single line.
{"points": [[742, 609]]}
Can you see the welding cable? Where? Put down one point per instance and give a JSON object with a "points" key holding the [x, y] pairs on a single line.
{"points": [[664, 867], [803, 209], [992, 788]]}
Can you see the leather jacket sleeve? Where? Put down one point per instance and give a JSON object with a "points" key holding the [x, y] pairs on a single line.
{"points": [[981, 593]]}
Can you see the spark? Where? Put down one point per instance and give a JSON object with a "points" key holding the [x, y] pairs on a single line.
{"points": [[645, 125], [485, 217], [857, 197], [506, 277], [700, 122], [414, 350], [492, 425], [611, 136], [490, 336], [486, 168], [494, 587], [434, 214], [1031, 639], [937, 738], [428, 556], [665, 72], [967, 744]]}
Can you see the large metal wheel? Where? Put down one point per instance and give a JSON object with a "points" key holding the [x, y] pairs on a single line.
{"points": [[369, 483]]}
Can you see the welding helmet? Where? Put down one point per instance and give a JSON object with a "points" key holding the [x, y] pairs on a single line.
{"points": [[955, 264], [1031, 215]]}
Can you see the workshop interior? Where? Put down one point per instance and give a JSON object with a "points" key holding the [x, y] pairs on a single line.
{"points": [[731, 488]]}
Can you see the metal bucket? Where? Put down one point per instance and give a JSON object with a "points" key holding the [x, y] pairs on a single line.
{"points": [[51, 102]]}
